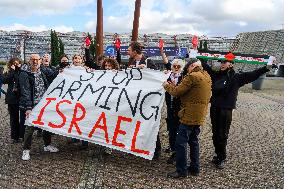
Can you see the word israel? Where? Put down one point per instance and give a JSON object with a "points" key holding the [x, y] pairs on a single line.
{"points": [[117, 109]]}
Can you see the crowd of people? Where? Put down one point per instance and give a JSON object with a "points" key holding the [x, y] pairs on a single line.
{"points": [[192, 85]]}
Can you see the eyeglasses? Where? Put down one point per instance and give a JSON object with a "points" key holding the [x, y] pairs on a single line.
{"points": [[176, 66], [35, 59]]}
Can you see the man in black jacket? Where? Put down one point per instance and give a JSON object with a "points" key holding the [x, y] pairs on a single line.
{"points": [[225, 87], [33, 84], [137, 58]]}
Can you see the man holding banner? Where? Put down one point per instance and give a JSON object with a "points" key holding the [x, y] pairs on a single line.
{"points": [[33, 83], [194, 92]]}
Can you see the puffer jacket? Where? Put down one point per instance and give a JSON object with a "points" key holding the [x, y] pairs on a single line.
{"points": [[194, 92]]}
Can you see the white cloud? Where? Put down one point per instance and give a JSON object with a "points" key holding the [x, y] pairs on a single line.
{"points": [[16, 26], [241, 23], [40, 7], [211, 17]]}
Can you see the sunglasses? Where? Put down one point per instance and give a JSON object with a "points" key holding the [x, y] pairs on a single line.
{"points": [[176, 66]]}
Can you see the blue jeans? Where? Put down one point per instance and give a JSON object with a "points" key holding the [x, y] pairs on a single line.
{"points": [[187, 134]]}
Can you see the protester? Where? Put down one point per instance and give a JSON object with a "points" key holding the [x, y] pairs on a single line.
{"points": [[173, 107], [136, 57], [10, 77], [46, 60], [194, 92], [77, 61], [33, 84], [90, 62], [64, 62], [225, 86], [110, 64]]}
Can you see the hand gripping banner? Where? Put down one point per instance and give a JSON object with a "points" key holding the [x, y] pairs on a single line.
{"points": [[116, 109]]}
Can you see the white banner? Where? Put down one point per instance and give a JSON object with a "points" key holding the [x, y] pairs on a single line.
{"points": [[116, 109]]}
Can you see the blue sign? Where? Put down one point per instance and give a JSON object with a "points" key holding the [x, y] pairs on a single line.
{"points": [[149, 51]]}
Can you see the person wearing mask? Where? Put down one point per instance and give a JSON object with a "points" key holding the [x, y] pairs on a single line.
{"points": [[33, 84], [64, 62], [194, 92], [10, 77]]}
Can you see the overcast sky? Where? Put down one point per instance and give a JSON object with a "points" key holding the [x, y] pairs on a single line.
{"points": [[200, 17]]}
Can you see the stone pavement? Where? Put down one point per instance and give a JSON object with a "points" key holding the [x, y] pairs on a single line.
{"points": [[255, 156]]}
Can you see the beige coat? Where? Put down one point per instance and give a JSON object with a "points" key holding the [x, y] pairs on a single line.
{"points": [[194, 92]]}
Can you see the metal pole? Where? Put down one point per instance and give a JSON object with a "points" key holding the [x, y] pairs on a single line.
{"points": [[99, 29], [136, 20]]}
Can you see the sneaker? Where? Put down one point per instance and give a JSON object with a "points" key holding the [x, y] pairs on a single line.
{"points": [[50, 148], [26, 155], [176, 175], [220, 164]]}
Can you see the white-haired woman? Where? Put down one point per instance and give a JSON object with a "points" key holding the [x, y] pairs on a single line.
{"points": [[173, 107]]}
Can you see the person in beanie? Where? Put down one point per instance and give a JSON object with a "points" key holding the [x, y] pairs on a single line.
{"points": [[194, 92], [225, 86]]}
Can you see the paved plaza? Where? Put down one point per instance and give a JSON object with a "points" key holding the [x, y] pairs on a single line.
{"points": [[255, 155]]}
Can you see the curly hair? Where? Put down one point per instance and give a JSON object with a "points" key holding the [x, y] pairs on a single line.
{"points": [[111, 61]]}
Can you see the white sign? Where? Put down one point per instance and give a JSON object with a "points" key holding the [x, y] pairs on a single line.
{"points": [[117, 109]]}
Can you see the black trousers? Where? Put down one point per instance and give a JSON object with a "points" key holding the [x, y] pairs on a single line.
{"points": [[158, 145], [29, 136], [14, 120], [172, 127], [22, 122], [221, 121]]}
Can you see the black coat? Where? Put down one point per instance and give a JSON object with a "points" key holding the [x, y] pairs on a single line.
{"points": [[227, 97], [150, 64], [89, 62], [175, 103], [27, 88], [11, 78]]}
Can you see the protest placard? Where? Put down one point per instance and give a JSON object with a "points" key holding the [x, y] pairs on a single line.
{"points": [[117, 109]]}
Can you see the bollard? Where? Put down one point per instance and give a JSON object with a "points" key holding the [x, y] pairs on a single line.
{"points": [[257, 84]]}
